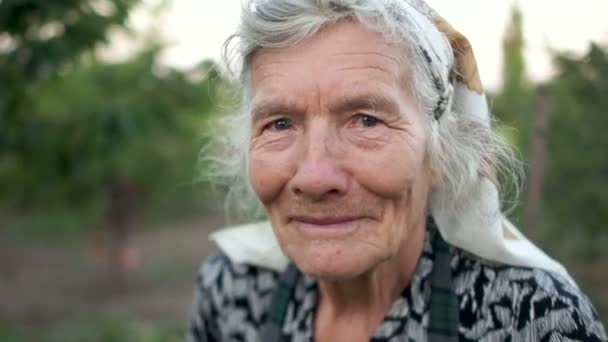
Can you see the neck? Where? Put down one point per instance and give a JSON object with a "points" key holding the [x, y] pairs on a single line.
{"points": [[361, 303]]}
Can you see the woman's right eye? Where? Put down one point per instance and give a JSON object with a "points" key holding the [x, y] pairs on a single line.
{"points": [[280, 124]]}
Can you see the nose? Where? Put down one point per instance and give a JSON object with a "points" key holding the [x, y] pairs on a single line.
{"points": [[319, 174]]}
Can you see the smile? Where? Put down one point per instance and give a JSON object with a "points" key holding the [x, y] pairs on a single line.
{"points": [[327, 225]]}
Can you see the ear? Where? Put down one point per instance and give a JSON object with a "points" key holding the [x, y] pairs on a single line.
{"points": [[434, 176]]}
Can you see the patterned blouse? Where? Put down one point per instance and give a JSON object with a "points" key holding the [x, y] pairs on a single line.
{"points": [[497, 303]]}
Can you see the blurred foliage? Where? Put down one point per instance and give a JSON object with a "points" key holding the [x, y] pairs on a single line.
{"points": [[8, 333], [71, 125], [574, 206], [101, 330], [105, 121], [38, 39], [512, 104], [577, 172]]}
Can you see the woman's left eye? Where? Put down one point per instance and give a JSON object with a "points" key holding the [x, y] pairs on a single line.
{"points": [[368, 120]]}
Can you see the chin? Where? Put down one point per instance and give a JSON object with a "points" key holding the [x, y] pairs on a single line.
{"points": [[333, 262]]}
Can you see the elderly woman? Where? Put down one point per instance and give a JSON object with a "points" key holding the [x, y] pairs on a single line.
{"points": [[366, 137]]}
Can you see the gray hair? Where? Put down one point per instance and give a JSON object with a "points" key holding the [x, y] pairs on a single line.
{"points": [[462, 146]]}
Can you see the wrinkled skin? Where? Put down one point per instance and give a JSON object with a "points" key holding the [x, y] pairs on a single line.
{"points": [[338, 153]]}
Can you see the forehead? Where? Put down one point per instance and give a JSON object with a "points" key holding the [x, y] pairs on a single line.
{"points": [[340, 54]]}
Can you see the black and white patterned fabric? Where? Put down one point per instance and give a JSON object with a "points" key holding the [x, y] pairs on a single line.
{"points": [[497, 303]]}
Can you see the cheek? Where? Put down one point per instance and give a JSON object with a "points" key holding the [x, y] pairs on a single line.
{"points": [[388, 171], [268, 174]]}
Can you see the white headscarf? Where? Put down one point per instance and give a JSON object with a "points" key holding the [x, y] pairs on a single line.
{"points": [[477, 225]]}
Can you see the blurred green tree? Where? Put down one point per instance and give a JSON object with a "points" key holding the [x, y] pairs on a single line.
{"points": [[577, 170], [101, 121], [67, 121], [37, 39], [513, 102], [76, 131]]}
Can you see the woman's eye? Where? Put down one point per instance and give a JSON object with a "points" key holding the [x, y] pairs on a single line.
{"points": [[280, 125], [368, 120]]}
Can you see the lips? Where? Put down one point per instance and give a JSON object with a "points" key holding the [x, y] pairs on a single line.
{"points": [[325, 221], [327, 225]]}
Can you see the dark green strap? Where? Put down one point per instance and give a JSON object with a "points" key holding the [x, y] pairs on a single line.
{"points": [[271, 331], [444, 311]]}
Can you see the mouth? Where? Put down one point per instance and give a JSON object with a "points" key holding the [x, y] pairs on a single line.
{"points": [[327, 225]]}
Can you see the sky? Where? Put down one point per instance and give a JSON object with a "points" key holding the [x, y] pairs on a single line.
{"points": [[196, 30]]}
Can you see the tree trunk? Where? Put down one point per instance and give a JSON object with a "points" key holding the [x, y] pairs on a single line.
{"points": [[122, 196], [537, 161]]}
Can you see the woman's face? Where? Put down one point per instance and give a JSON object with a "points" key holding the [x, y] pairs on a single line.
{"points": [[338, 150]]}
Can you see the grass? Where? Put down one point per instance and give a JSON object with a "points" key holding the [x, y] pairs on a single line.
{"points": [[60, 222], [98, 330]]}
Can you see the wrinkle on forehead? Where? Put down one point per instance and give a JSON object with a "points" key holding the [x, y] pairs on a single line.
{"points": [[366, 67], [265, 70], [394, 59], [346, 46]]}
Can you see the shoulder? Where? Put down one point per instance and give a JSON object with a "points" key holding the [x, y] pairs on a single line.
{"points": [[520, 302], [230, 299], [224, 281]]}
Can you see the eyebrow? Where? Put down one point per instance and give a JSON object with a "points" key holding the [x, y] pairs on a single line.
{"points": [[348, 103], [271, 107], [370, 101]]}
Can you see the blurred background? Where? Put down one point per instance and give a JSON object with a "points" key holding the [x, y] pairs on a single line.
{"points": [[105, 106]]}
